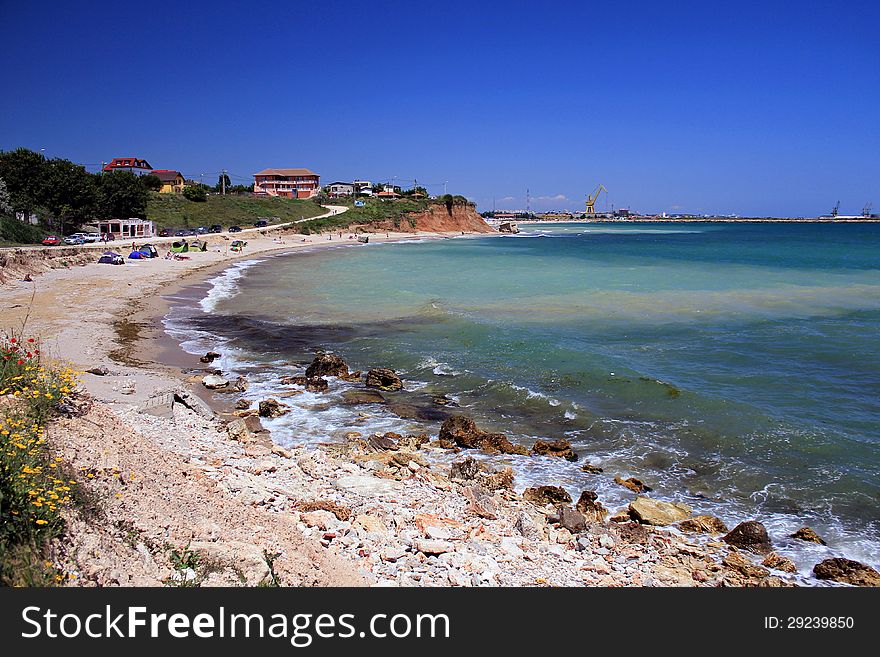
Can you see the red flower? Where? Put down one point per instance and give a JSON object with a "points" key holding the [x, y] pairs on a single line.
{"points": [[29, 354], [20, 362], [13, 340], [36, 351], [30, 340]]}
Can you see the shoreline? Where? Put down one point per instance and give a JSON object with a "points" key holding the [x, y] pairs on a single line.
{"points": [[381, 516]]}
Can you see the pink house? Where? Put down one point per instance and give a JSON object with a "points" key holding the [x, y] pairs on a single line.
{"points": [[288, 183]]}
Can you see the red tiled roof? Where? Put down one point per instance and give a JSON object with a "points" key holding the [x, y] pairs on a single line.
{"points": [[166, 175], [127, 163]]}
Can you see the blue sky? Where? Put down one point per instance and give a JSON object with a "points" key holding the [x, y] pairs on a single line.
{"points": [[748, 107]]}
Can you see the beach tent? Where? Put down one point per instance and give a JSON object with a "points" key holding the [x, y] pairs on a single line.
{"points": [[149, 251], [179, 247], [138, 255], [198, 245], [237, 245], [110, 258]]}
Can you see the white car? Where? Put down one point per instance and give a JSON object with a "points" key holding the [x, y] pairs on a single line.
{"points": [[91, 238], [76, 238]]}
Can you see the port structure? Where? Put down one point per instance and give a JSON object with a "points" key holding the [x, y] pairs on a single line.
{"points": [[592, 198]]}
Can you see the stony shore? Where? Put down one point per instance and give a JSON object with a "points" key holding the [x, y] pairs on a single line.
{"points": [[186, 496]]}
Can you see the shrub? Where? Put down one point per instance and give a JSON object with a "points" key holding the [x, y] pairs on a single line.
{"points": [[195, 193], [13, 230], [34, 486]]}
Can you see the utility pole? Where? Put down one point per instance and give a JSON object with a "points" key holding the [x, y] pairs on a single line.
{"points": [[223, 182], [528, 204]]}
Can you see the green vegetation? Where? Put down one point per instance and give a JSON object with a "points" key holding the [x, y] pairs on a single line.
{"points": [[14, 232], [378, 211], [174, 211], [195, 193], [34, 486], [373, 211]]}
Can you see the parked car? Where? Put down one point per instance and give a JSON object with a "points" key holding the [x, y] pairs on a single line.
{"points": [[235, 229], [216, 228], [91, 238], [181, 233], [261, 223], [52, 240], [74, 239], [108, 237], [165, 232], [201, 230]]}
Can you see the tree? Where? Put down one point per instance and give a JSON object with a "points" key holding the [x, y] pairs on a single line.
{"points": [[151, 183], [121, 195], [23, 169], [5, 206], [219, 187], [196, 193], [69, 192]]}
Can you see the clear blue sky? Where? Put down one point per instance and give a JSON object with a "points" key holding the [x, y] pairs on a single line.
{"points": [[747, 107]]}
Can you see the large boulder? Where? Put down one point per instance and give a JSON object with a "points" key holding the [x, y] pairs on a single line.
{"points": [[327, 365], [778, 562], [590, 507], [572, 519], [847, 571], [807, 534], [657, 513], [214, 382], [750, 535], [543, 495], [310, 383], [462, 431], [210, 357], [383, 379], [703, 525], [635, 485], [561, 448], [272, 408]]}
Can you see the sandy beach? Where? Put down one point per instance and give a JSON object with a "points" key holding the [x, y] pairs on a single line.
{"points": [[361, 510]]}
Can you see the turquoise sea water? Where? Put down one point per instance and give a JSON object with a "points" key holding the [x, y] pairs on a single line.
{"points": [[732, 366]]}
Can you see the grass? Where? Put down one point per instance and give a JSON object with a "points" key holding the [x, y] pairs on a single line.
{"points": [[34, 485], [14, 232], [373, 211], [174, 211]]}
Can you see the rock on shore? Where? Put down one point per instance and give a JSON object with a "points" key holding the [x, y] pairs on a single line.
{"points": [[383, 379], [462, 431], [847, 571], [750, 535]]}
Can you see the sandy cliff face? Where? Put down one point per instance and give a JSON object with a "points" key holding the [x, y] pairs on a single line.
{"points": [[437, 219], [15, 264]]}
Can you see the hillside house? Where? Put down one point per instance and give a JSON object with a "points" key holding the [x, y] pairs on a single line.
{"points": [[135, 165], [173, 182], [287, 183]]}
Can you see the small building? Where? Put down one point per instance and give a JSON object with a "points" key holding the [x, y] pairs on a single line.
{"points": [[173, 182], [125, 229], [135, 165], [388, 195], [287, 183], [337, 189]]}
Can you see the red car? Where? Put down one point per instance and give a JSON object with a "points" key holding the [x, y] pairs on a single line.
{"points": [[51, 240]]}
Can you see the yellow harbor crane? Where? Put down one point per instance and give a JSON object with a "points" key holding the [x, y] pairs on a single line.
{"points": [[592, 198]]}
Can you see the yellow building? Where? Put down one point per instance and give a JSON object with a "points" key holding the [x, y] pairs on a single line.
{"points": [[172, 181]]}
